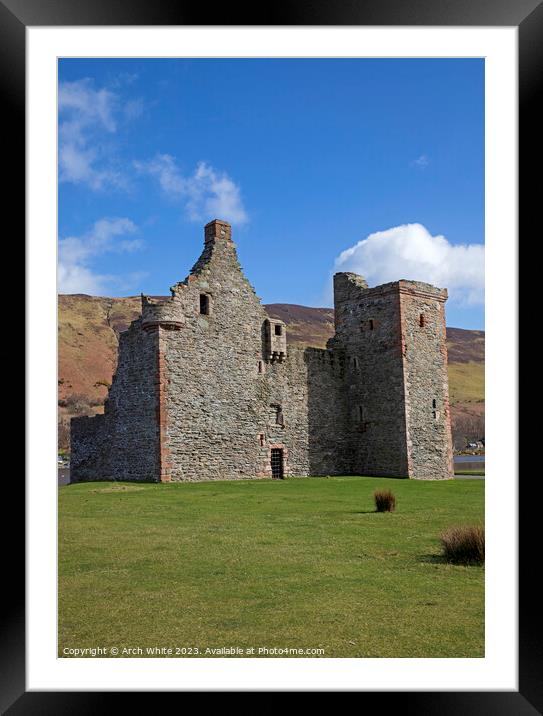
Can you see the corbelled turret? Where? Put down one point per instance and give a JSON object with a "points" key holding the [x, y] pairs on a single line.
{"points": [[163, 312]]}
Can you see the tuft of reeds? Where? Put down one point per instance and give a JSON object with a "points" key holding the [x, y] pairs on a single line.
{"points": [[384, 501], [464, 545]]}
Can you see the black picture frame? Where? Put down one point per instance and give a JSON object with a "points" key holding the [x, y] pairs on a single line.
{"points": [[15, 16]]}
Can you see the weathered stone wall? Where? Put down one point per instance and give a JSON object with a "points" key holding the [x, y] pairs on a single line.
{"points": [[283, 388], [213, 384], [88, 448], [228, 405], [308, 386], [368, 331], [395, 377], [128, 442], [426, 381], [206, 387], [327, 419]]}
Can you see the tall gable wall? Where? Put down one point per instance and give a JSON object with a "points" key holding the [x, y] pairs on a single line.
{"points": [[224, 395]]}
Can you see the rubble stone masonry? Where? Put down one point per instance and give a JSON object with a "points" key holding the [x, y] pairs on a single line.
{"points": [[207, 385]]}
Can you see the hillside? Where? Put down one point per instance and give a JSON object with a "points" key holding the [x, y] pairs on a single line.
{"points": [[306, 326], [88, 329]]}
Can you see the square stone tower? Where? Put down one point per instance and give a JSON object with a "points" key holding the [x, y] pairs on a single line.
{"points": [[394, 341]]}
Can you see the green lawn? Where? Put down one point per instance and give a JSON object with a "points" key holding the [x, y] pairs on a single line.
{"points": [[299, 563]]}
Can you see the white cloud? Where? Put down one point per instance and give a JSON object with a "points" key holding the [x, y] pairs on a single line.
{"points": [[73, 278], [165, 170], [214, 195], [421, 162], [206, 194], [87, 116], [92, 106], [75, 273], [411, 252]]}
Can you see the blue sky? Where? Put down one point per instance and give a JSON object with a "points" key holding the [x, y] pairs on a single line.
{"points": [[374, 166]]}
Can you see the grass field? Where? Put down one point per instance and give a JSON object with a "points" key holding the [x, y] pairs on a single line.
{"points": [[300, 563]]}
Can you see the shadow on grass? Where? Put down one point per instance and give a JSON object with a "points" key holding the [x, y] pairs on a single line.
{"points": [[440, 559], [432, 559], [385, 477]]}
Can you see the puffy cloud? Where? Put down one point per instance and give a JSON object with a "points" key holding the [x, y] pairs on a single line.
{"points": [[411, 252], [213, 194], [75, 273], [86, 116], [207, 193]]}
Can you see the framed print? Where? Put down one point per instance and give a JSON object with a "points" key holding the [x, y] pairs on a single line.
{"points": [[229, 457]]}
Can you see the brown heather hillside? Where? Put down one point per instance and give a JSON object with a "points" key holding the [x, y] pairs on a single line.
{"points": [[88, 329], [306, 326]]}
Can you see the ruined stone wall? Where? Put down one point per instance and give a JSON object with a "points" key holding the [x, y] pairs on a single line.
{"points": [[215, 392], [88, 448], [328, 421], [196, 396], [128, 443], [228, 405], [207, 386], [308, 386], [368, 331], [426, 380], [131, 408], [284, 387]]}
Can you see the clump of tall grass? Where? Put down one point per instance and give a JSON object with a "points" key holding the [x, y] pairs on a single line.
{"points": [[384, 501], [464, 545]]}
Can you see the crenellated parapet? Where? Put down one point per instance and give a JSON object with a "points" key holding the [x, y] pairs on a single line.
{"points": [[165, 313]]}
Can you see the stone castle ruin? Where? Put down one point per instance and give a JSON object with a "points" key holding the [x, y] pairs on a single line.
{"points": [[207, 387]]}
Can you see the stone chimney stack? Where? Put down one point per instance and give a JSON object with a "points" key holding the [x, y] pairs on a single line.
{"points": [[218, 230]]}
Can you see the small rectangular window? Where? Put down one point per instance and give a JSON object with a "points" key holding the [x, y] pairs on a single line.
{"points": [[277, 329], [434, 403], [371, 324], [421, 320], [204, 304], [260, 366], [261, 439]]}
